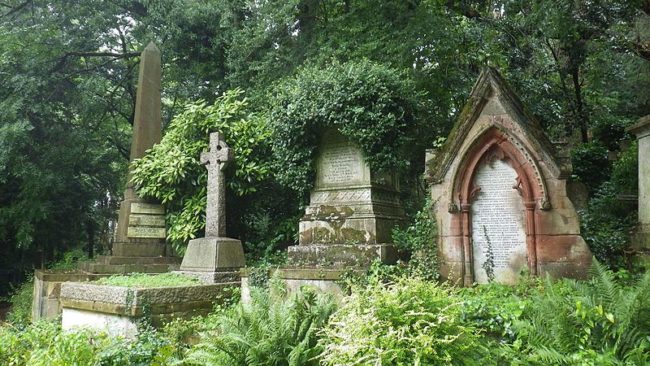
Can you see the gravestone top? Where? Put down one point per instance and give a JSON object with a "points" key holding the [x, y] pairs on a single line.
{"points": [[215, 161], [340, 163]]}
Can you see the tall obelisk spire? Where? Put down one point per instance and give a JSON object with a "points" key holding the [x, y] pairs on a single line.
{"points": [[141, 225]]}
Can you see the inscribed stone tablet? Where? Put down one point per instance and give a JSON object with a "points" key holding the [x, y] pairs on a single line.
{"points": [[147, 220], [341, 163], [146, 232], [498, 217], [147, 208]]}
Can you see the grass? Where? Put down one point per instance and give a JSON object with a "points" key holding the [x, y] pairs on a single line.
{"points": [[142, 280]]}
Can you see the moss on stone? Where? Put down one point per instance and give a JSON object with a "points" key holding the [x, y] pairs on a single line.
{"points": [[141, 280]]}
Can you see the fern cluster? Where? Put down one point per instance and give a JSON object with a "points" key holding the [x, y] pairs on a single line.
{"points": [[273, 330], [600, 321]]}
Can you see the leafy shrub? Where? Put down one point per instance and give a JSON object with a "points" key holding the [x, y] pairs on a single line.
{"points": [[20, 312], [45, 343], [495, 308], [409, 322], [607, 222], [600, 322], [269, 331], [625, 176], [171, 171], [591, 164], [418, 239]]}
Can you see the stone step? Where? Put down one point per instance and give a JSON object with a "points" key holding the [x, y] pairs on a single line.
{"points": [[128, 268], [137, 260]]}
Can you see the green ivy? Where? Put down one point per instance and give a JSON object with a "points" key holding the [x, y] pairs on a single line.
{"points": [[374, 106]]}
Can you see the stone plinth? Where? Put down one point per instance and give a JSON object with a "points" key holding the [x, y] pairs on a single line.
{"points": [[352, 211], [116, 309], [641, 237], [500, 194]]}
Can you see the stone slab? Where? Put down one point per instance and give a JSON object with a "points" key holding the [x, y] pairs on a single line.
{"points": [[46, 302], [147, 208], [214, 277], [147, 220], [116, 309], [322, 280], [146, 232], [113, 325], [213, 255], [341, 255], [140, 249]]}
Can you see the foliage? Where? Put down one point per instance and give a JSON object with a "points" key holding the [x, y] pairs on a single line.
{"points": [[21, 301], [409, 322], [495, 308], [374, 106], [607, 222], [591, 164], [418, 239], [143, 280], [172, 173], [625, 173], [45, 343], [596, 322], [268, 331]]}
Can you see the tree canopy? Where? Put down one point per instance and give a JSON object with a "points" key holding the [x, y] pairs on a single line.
{"points": [[68, 74]]}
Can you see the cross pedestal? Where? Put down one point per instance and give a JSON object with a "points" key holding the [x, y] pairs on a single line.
{"points": [[215, 258]]}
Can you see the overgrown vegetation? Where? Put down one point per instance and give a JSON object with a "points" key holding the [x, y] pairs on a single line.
{"points": [[610, 217], [391, 318], [376, 107], [142, 280], [419, 241]]}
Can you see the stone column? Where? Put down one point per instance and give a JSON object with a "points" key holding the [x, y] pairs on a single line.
{"points": [[641, 239]]}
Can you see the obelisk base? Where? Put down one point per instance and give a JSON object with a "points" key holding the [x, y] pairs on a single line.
{"points": [[214, 260]]}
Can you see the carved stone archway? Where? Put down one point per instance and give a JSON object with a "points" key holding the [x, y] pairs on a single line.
{"points": [[495, 144]]}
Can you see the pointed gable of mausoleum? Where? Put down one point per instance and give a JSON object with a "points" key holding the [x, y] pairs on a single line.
{"points": [[499, 189]]}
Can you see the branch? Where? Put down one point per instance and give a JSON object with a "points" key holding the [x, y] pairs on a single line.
{"points": [[102, 54], [114, 55], [15, 9]]}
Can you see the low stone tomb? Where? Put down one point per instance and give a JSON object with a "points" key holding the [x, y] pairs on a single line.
{"points": [[499, 189], [117, 309]]}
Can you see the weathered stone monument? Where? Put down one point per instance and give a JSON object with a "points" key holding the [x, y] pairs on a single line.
{"points": [[641, 237], [351, 212], [348, 222], [215, 258], [140, 237], [499, 191]]}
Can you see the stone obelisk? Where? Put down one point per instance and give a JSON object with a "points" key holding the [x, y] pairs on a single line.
{"points": [[140, 236], [215, 258], [141, 225]]}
